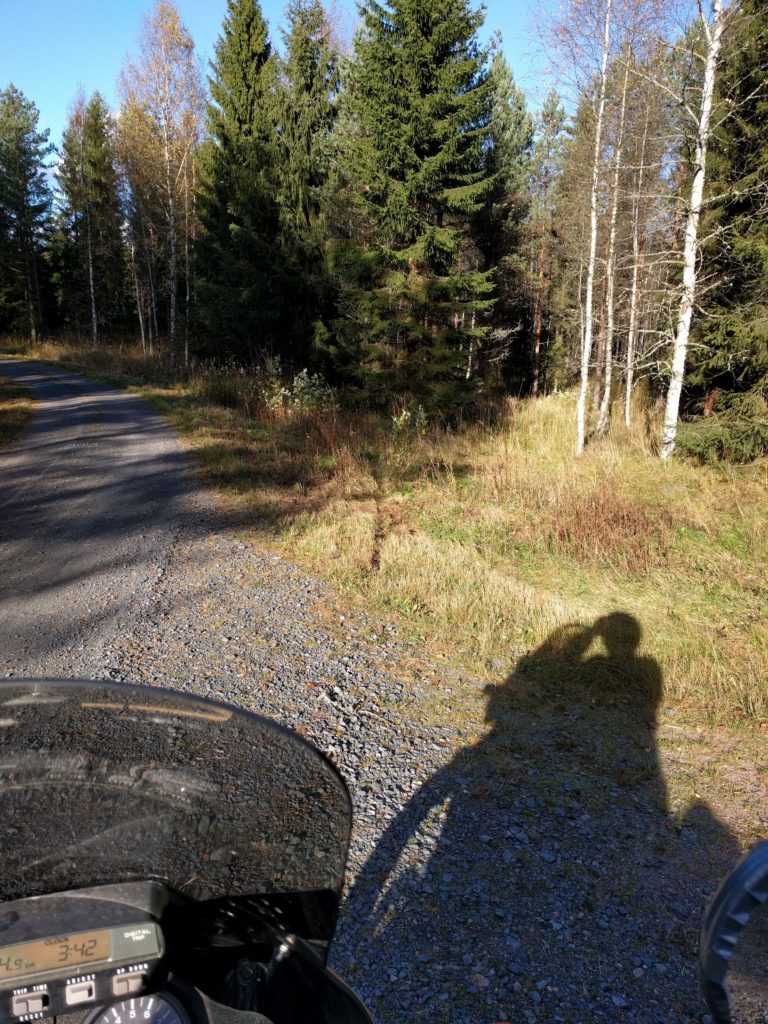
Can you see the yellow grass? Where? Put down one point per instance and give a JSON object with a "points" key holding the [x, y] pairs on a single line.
{"points": [[15, 409]]}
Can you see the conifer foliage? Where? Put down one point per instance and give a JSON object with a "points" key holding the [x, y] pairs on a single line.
{"points": [[242, 284], [503, 227], [730, 369], [25, 209], [306, 89], [414, 171], [91, 244]]}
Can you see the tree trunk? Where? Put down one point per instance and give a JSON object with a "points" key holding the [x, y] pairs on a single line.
{"points": [[634, 303], [91, 288], [172, 240], [586, 345], [537, 321], [186, 269], [597, 385], [604, 415], [138, 301], [152, 302], [638, 250], [30, 305], [713, 35], [38, 299]]}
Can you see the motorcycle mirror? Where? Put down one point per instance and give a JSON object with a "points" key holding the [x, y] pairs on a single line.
{"points": [[733, 952]]}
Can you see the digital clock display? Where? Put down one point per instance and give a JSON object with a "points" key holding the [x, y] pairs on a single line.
{"points": [[58, 953]]}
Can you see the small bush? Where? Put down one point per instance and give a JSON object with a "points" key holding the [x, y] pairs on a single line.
{"points": [[307, 393]]}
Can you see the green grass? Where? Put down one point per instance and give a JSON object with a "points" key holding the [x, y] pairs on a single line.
{"points": [[16, 407]]}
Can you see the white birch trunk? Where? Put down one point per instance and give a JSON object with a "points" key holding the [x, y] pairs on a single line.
{"points": [[186, 269], [713, 32], [604, 415], [138, 301], [634, 301], [586, 345]]}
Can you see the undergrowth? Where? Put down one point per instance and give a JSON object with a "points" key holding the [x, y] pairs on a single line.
{"points": [[490, 538]]}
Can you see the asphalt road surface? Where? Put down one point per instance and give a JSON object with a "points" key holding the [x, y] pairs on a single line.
{"points": [[90, 496]]}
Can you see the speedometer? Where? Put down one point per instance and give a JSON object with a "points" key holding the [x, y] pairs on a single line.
{"points": [[143, 1010]]}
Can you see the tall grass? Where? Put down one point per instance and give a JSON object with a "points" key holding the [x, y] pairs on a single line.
{"points": [[489, 538]]}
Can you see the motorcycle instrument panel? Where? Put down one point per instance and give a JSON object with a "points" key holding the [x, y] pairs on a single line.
{"points": [[57, 973]]}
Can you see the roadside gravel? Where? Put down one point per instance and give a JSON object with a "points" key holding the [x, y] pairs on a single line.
{"points": [[531, 875]]}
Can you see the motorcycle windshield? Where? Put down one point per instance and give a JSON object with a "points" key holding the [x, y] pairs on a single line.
{"points": [[102, 784]]}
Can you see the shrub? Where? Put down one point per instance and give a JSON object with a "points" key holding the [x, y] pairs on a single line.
{"points": [[714, 440], [307, 393]]}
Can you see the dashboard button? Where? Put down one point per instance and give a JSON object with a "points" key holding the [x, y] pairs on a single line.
{"points": [[128, 984], [80, 992], [30, 1002]]}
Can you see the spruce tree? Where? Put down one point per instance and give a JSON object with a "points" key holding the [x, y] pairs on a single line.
{"points": [[242, 284], [729, 371], [25, 208], [307, 85], [502, 229], [416, 130], [92, 286]]}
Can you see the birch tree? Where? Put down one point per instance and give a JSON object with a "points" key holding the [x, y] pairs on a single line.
{"points": [[140, 168], [603, 418], [727, 367], [165, 84], [586, 344], [713, 26]]}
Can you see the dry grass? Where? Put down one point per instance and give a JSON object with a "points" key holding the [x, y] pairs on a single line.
{"points": [[16, 407], [488, 540]]}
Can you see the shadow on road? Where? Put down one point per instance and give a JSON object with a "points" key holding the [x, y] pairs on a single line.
{"points": [[540, 873]]}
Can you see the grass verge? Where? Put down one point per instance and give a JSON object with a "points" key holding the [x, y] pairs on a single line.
{"points": [[16, 407], [491, 541]]}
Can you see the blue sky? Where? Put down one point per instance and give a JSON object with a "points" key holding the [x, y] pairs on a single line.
{"points": [[48, 48]]}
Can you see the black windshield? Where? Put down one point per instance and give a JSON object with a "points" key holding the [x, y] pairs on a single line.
{"points": [[111, 783]]}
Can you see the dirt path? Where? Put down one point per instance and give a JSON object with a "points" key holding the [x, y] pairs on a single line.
{"points": [[91, 496]]}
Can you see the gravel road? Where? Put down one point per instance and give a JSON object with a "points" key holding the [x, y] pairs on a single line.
{"points": [[533, 875]]}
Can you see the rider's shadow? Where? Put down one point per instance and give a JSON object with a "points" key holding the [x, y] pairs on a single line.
{"points": [[541, 872]]}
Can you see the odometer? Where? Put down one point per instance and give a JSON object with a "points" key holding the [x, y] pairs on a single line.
{"points": [[58, 953]]}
